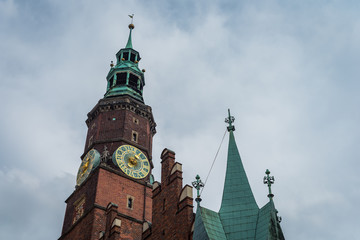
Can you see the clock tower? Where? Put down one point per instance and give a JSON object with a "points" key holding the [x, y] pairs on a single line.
{"points": [[112, 197]]}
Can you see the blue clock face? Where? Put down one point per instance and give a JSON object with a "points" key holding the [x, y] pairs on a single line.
{"points": [[132, 161], [89, 162]]}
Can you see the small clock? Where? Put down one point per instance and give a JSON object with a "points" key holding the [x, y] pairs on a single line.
{"points": [[89, 162], [132, 161]]}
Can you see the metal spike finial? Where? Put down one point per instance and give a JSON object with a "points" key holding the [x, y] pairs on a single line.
{"points": [[198, 184], [230, 119], [269, 180], [131, 25]]}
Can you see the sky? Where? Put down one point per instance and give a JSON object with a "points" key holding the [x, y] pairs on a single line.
{"points": [[288, 70]]}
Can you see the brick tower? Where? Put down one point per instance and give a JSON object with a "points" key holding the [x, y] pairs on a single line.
{"points": [[113, 194]]}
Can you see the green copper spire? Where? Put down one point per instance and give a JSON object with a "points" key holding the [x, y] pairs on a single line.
{"points": [[125, 77], [131, 27], [238, 211], [129, 42], [239, 216]]}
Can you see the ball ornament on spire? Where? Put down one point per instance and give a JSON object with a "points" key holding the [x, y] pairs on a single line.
{"points": [[131, 26]]}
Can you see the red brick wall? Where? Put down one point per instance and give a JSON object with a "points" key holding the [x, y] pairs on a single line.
{"points": [[171, 219], [102, 187], [111, 123]]}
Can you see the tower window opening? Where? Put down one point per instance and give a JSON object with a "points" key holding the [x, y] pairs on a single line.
{"points": [[133, 81], [126, 55], [132, 57], [121, 78], [130, 202], [164, 202], [134, 136]]}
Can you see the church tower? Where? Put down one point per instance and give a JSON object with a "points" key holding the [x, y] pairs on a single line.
{"points": [[112, 197]]}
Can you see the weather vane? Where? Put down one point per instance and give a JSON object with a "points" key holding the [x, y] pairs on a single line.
{"points": [[197, 185], [269, 180], [132, 18]]}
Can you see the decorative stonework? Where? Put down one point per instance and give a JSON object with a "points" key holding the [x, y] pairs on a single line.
{"points": [[105, 105], [79, 207]]}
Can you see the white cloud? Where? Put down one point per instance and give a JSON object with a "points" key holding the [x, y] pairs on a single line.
{"points": [[287, 71]]}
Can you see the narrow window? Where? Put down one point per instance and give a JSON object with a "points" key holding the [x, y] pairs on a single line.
{"points": [[164, 201], [135, 120], [134, 136], [130, 202]]}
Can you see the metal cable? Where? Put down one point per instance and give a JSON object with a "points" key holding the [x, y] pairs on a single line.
{"points": [[222, 140]]}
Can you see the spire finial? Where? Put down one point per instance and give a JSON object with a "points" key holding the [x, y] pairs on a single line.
{"points": [[230, 119], [131, 27], [198, 184], [269, 180]]}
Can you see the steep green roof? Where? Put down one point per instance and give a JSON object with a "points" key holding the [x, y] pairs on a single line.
{"points": [[208, 225], [239, 216], [268, 226], [238, 211], [262, 231]]}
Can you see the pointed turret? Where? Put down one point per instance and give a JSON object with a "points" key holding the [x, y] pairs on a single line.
{"points": [[129, 42], [239, 216], [238, 203], [125, 78]]}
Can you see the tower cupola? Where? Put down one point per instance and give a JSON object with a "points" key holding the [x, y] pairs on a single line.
{"points": [[125, 77]]}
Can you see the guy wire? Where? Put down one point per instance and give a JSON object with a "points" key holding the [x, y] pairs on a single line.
{"points": [[213, 161]]}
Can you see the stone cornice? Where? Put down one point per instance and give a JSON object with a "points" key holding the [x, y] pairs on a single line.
{"points": [[123, 102]]}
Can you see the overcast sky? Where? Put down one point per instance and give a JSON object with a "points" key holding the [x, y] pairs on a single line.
{"points": [[289, 72]]}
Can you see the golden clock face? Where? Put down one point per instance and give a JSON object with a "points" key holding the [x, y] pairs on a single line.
{"points": [[132, 161], [90, 161]]}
